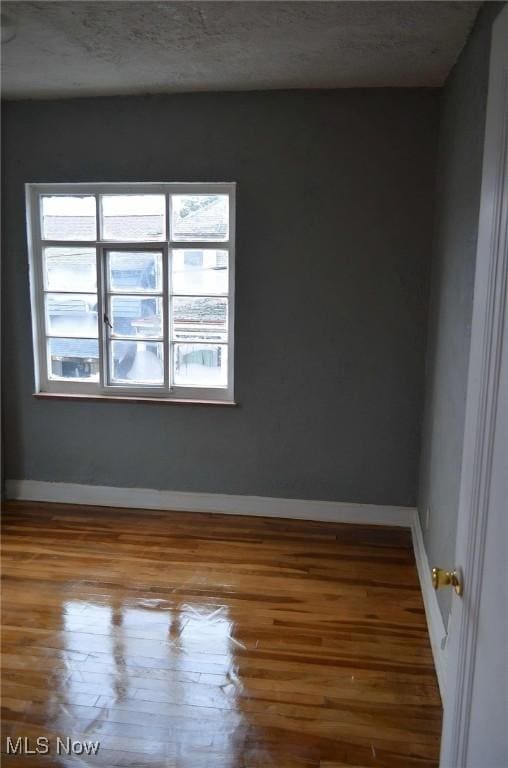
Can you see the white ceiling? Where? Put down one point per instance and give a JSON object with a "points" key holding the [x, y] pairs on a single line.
{"points": [[61, 48]]}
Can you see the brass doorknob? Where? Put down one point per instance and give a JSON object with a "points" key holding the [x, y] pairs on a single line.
{"points": [[442, 578]]}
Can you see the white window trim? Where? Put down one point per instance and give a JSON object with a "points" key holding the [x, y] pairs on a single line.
{"points": [[35, 245]]}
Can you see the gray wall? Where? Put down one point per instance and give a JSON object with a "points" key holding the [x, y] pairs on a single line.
{"points": [[462, 121], [333, 247]]}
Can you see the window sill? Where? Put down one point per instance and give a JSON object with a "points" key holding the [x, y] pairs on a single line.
{"points": [[131, 399]]}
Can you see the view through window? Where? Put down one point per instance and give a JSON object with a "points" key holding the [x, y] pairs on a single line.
{"points": [[132, 288]]}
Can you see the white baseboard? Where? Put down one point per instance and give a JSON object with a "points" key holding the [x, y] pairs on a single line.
{"points": [[263, 506], [435, 623]]}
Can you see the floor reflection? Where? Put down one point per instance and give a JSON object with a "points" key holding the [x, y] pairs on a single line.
{"points": [[154, 668]]}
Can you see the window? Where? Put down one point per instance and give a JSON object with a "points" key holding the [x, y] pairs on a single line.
{"points": [[133, 289]]}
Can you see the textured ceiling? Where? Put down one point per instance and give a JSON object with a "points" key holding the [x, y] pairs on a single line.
{"points": [[62, 48]]}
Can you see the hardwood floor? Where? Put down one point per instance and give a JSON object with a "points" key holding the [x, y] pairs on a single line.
{"points": [[211, 641]]}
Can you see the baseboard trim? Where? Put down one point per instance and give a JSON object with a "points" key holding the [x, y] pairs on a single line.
{"points": [[435, 623], [261, 506]]}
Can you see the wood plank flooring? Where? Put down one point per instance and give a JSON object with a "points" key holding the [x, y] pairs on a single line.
{"points": [[213, 641]]}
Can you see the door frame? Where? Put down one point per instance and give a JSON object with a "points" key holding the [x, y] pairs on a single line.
{"points": [[483, 384]]}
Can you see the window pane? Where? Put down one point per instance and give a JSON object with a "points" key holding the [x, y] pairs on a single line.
{"points": [[68, 218], [133, 217], [200, 365], [135, 271], [136, 362], [136, 316], [200, 217], [200, 271], [71, 314], [198, 318], [70, 269], [73, 359]]}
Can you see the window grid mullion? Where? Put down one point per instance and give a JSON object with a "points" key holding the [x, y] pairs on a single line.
{"points": [[98, 222], [169, 294], [137, 294], [70, 336], [200, 295], [165, 316], [196, 245], [101, 306], [70, 292]]}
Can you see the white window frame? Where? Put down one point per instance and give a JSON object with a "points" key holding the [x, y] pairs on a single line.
{"points": [[43, 384]]}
